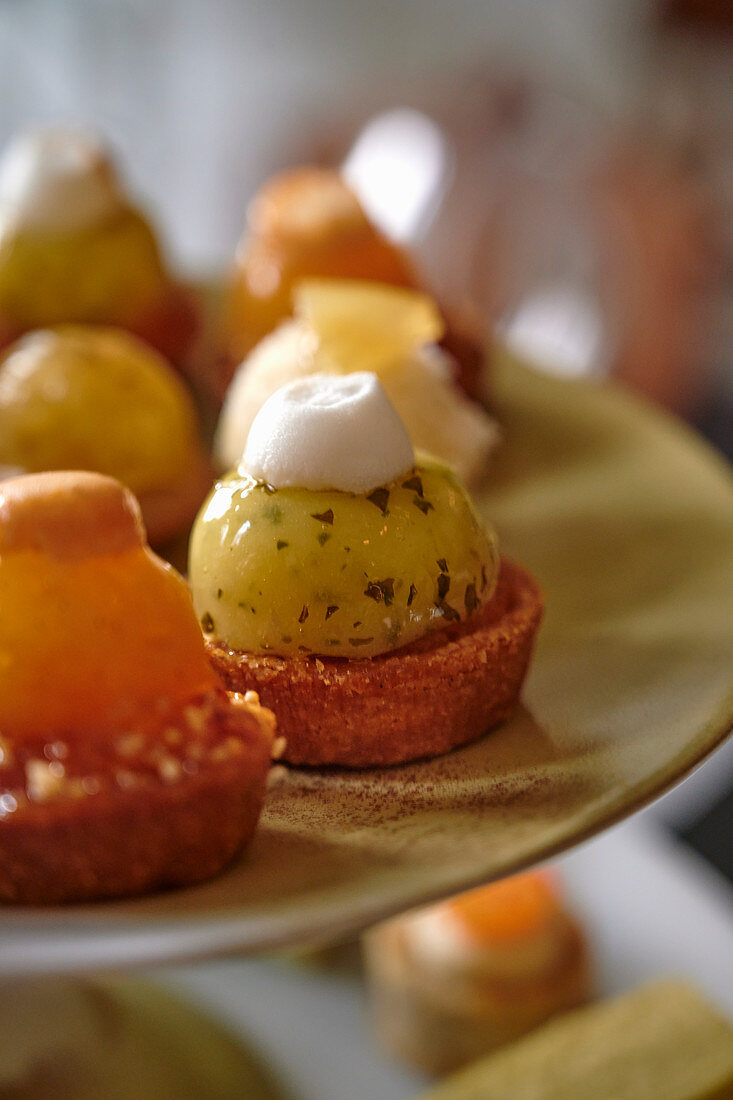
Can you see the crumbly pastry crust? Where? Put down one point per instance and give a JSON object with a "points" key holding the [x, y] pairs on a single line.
{"points": [[445, 690], [82, 822]]}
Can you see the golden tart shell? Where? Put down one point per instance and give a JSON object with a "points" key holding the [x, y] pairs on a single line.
{"points": [[442, 691], [138, 813]]}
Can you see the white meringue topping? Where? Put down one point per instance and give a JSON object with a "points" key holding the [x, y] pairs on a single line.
{"points": [[328, 432]]}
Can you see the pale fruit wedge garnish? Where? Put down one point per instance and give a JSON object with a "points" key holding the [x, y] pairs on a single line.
{"points": [[365, 326], [439, 418], [342, 326]]}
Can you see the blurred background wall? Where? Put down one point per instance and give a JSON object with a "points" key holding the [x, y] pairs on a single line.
{"points": [[204, 99]]}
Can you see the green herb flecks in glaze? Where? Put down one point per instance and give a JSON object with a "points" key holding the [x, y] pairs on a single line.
{"points": [[393, 568]]}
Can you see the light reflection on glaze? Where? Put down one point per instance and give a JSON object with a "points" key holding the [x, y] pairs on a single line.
{"points": [[295, 572]]}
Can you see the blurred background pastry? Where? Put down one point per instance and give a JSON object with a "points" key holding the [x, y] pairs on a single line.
{"points": [[74, 248], [460, 978], [307, 223], [89, 398], [664, 1039], [348, 325]]}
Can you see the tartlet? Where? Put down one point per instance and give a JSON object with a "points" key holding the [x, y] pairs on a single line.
{"points": [[456, 980], [75, 249], [100, 399], [124, 765], [375, 617], [445, 690]]}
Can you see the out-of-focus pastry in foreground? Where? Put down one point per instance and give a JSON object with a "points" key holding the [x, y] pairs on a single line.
{"points": [[74, 249], [351, 583], [124, 765], [81, 397], [456, 980], [662, 1040], [341, 326]]}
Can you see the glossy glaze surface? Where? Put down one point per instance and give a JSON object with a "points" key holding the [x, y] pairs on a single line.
{"points": [[295, 572], [94, 644], [80, 397]]}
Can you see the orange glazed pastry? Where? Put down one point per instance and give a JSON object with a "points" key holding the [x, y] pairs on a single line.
{"points": [[73, 248], [454, 981], [351, 583], [124, 767], [308, 223], [305, 222]]}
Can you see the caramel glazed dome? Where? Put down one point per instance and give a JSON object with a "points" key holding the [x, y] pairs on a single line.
{"points": [[124, 766], [352, 585]]}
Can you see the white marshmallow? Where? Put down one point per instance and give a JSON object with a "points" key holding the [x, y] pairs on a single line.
{"points": [[328, 432], [56, 180], [439, 418]]}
